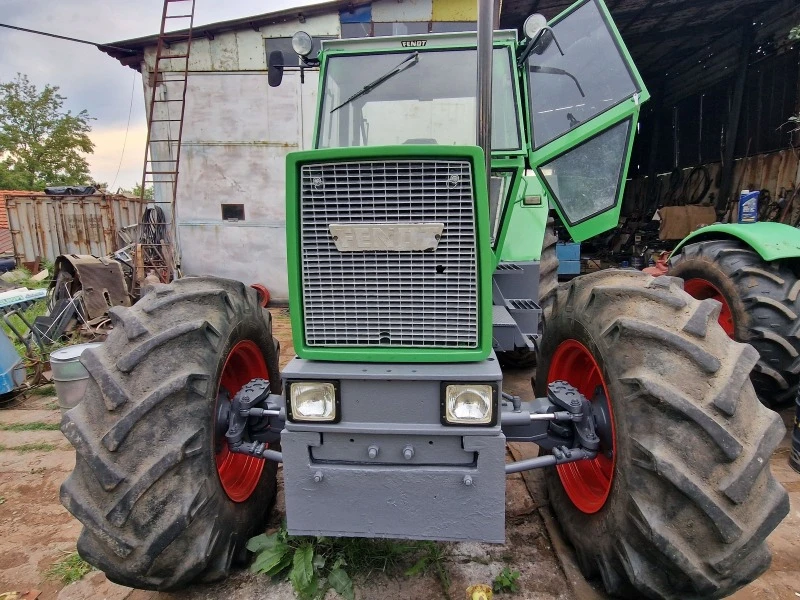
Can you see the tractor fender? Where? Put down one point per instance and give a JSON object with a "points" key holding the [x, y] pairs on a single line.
{"points": [[772, 241]]}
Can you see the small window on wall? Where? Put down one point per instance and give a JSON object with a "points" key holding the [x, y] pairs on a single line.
{"points": [[233, 212], [284, 45]]}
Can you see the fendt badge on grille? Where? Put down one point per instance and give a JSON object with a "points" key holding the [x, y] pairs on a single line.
{"points": [[397, 237]]}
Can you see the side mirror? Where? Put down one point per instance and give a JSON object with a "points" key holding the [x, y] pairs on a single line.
{"points": [[275, 68], [533, 25]]}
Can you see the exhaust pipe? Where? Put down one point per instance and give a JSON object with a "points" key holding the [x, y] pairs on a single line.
{"points": [[484, 112]]}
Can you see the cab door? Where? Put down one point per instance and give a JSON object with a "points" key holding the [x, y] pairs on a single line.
{"points": [[583, 110]]}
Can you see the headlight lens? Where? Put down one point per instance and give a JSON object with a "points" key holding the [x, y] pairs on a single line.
{"points": [[302, 43], [313, 401], [468, 404]]}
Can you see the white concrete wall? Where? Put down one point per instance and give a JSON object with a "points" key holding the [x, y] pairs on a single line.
{"points": [[236, 134]]}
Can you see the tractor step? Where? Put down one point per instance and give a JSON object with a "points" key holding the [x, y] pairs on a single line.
{"points": [[507, 324]]}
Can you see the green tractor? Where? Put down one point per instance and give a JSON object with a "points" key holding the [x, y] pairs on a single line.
{"points": [[415, 256], [752, 271]]}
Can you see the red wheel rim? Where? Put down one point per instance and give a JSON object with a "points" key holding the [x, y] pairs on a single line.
{"points": [[239, 474], [263, 294], [703, 289], [587, 482]]}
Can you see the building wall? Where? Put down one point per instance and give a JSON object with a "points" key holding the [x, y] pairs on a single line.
{"points": [[237, 132]]}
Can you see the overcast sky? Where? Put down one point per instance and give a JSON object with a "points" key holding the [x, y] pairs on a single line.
{"points": [[92, 80]]}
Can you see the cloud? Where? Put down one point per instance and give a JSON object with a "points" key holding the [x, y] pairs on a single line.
{"points": [[109, 150], [90, 79]]}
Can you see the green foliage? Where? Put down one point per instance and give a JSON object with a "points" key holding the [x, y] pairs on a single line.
{"points": [[43, 390], [315, 565], [137, 191], [40, 143], [32, 447], [506, 581], [34, 426], [69, 569]]}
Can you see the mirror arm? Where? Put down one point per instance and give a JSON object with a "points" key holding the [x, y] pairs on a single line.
{"points": [[307, 64], [532, 44]]}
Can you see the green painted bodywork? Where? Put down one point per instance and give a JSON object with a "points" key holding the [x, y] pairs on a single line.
{"points": [[522, 226], [485, 263], [772, 241]]}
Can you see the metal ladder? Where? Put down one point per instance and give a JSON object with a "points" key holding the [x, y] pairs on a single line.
{"points": [[155, 250]]}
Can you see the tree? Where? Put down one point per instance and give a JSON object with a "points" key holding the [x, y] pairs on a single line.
{"points": [[136, 190], [40, 143]]}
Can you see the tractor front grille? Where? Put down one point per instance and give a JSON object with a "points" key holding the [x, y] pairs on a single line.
{"points": [[388, 298]]}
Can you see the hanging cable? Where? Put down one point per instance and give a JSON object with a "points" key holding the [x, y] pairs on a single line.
{"points": [[127, 129]]}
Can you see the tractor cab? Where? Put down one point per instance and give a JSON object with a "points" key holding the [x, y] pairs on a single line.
{"points": [[565, 105]]}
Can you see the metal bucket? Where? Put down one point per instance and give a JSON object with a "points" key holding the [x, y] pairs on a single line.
{"points": [[794, 457], [69, 375]]}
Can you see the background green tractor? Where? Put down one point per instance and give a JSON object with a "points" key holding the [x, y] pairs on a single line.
{"points": [[752, 270], [415, 255]]}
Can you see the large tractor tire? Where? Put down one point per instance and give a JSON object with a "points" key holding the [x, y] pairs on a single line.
{"points": [[548, 285], [161, 499], [760, 306], [680, 498]]}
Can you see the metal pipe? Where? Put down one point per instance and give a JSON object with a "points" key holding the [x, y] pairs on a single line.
{"points": [[273, 455], [549, 460], [523, 417], [484, 112]]}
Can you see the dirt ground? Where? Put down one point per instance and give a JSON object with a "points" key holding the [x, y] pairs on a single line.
{"points": [[36, 531]]}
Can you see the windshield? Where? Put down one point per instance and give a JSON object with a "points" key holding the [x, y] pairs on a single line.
{"points": [[414, 98]]}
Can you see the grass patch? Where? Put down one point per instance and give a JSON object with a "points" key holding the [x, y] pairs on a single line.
{"points": [[33, 447], [43, 390], [69, 569], [315, 564], [35, 426]]}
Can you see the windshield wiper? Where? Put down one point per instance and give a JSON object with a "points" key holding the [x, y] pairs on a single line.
{"points": [[557, 71], [408, 62]]}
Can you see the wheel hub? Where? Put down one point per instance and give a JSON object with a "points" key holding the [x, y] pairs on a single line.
{"points": [[602, 422], [239, 474], [588, 482]]}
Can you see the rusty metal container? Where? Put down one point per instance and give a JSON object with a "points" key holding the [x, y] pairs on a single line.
{"points": [[46, 226]]}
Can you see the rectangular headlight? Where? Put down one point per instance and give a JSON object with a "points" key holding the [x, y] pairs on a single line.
{"points": [[313, 401], [468, 404]]}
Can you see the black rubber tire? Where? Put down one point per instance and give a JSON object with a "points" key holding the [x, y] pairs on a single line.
{"points": [[764, 298], [522, 358], [692, 497], [145, 484]]}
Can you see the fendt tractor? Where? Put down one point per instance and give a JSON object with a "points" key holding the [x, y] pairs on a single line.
{"points": [[419, 247]]}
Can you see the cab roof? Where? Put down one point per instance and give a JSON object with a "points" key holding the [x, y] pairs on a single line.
{"points": [[420, 42]]}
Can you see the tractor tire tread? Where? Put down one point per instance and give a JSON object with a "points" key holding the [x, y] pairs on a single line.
{"points": [[145, 484], [696, 499], [765, 307]]}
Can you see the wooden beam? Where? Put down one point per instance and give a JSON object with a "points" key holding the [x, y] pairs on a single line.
{"points": [[636, 16], [732, 131], [690, 31], [652, 173]]}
